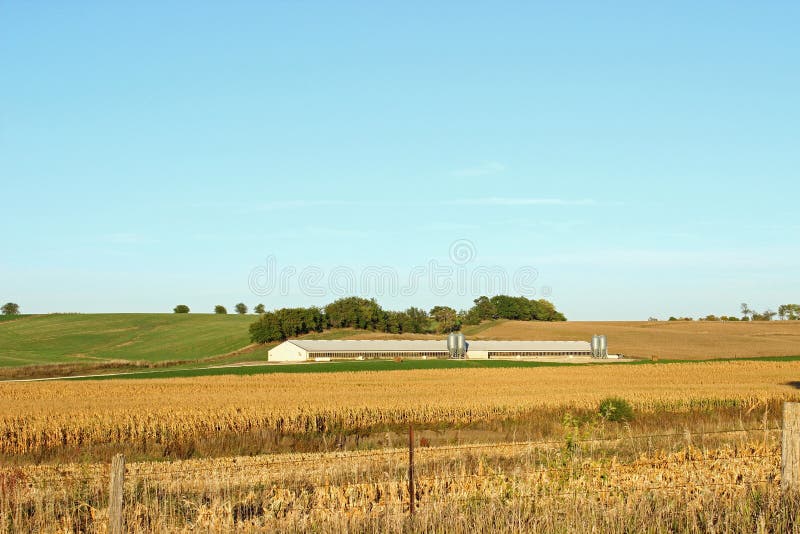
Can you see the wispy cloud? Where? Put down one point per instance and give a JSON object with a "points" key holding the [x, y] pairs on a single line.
{"points": [[515, 201], [483, 169]]}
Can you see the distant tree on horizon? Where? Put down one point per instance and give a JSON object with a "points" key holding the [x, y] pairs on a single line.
{"points": [[219, 309], [746, 311], [790, 312], [10, 308], [241, 308], [259, 309], [181, 308]]}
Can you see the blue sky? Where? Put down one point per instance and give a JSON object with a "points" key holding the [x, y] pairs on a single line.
{"points": [[642, 159]]}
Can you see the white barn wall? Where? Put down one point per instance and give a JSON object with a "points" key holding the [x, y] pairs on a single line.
{"points": [[287, 352]]}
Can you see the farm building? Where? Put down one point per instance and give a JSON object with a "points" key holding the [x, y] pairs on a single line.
{"points": [[301, 350]]}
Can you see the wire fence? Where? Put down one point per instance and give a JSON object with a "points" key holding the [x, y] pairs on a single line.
{"points": [[591, 470], [175, 470]]}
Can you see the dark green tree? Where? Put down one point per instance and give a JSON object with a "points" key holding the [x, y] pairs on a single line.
{"points": [[266, 329], [446, 319], [483, 309], [10, 308], [259, 309], [220, 309], [354, 312], [417, 321], [181, 308], [241, 308]]}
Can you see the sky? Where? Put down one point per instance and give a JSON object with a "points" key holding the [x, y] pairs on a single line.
{"points": [[623, 160]]}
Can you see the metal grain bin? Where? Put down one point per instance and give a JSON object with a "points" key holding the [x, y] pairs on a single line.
{"points": [[452, 344], [595, 346], [603, 347], [461, 346]]}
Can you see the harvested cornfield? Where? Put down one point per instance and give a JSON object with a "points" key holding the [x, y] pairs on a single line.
{"points": [[178, 413]]}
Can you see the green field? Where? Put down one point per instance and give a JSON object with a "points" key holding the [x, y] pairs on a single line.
{"points": [[331, 367], [387, 365], [97, 338]]}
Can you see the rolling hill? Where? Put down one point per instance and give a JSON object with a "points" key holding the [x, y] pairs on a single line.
{"points": [[66, 344], [95, 338]]}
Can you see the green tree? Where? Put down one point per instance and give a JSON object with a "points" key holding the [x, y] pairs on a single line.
{"points": [[483, 309], [746, 311], [259, 309], [446, 319], [395, 322], [266, 329], [10, 308], [220, 309], [417, 321], [355, 312], [241, 308], [181, 308]]}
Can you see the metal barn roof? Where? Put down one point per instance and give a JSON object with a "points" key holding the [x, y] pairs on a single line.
{"points": [[370, 345], [424, 345], [524, 346]]}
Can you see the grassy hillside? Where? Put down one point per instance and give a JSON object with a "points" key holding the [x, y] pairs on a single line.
{"points": [[95, 338]]}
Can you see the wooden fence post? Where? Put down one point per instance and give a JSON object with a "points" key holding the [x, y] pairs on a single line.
{"points": [[790, 446], [411, 469], [115, 524]]}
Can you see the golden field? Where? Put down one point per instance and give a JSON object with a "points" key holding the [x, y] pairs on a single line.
{"points": [[60, 415], [662, 339], [498, 450]]}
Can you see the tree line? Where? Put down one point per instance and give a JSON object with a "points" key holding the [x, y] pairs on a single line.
{"points": [[367, 314], [219, 309], [786, 312]]}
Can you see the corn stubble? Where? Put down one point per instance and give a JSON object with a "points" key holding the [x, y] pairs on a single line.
{"points": [[37, 417], [735, 488]]}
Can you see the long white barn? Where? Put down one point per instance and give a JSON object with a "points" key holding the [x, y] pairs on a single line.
{"points": [[302, 350]]}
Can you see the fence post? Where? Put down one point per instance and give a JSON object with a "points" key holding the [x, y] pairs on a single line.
{"points": [[115, 495], [411, 469], [790, 446]]}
